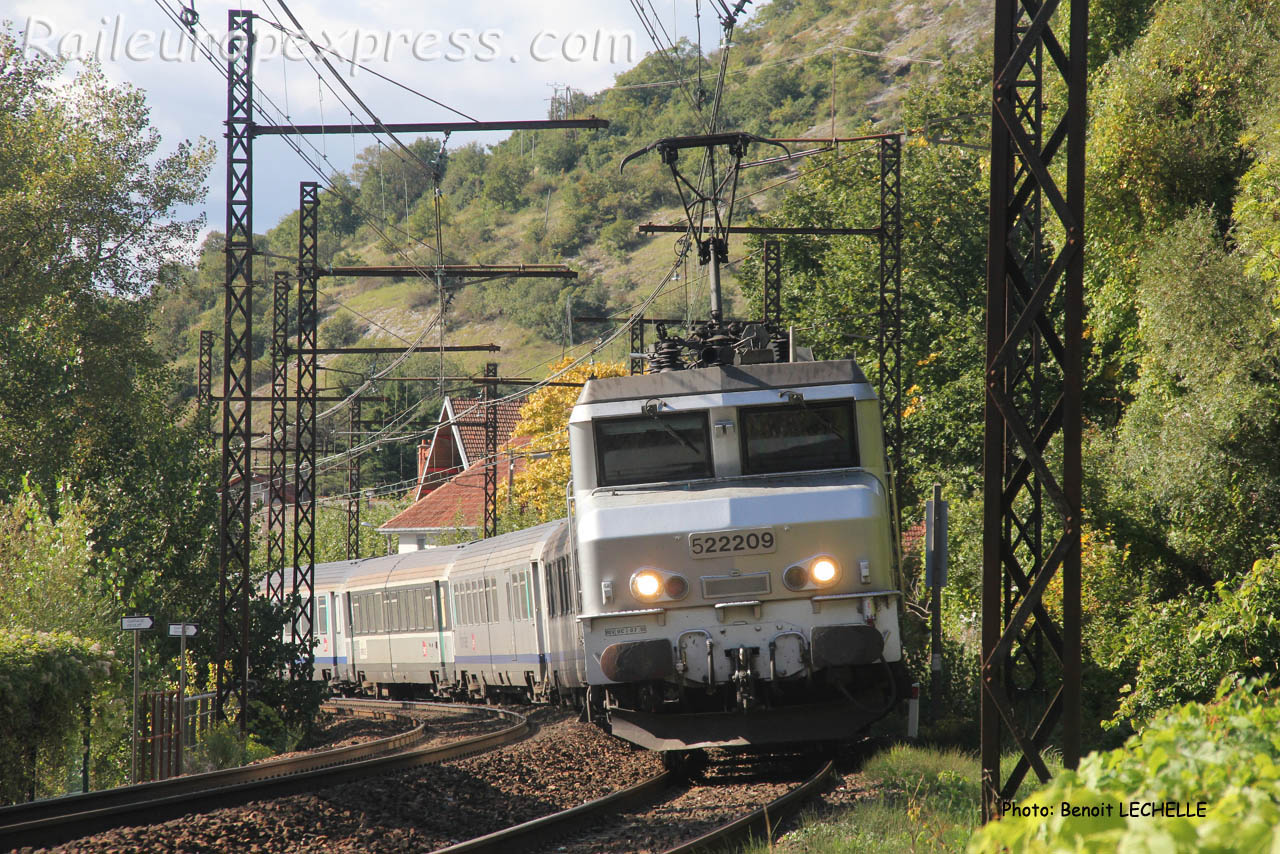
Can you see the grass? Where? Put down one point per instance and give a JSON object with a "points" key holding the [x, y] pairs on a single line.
{"points": [[920, 799]]}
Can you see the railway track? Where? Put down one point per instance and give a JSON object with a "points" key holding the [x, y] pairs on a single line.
{"points": [[561, 830], [58, 820]]}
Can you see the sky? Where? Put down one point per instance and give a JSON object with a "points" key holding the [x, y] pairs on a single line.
{"points": [[491, 60]]}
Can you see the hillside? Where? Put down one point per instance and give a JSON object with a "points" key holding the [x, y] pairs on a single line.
{"points": [[557, 197]]}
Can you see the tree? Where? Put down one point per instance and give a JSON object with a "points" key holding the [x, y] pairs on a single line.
{"points": [[90, 243], [539, 489], [505, 176], [87, 227], [1167, 136]]}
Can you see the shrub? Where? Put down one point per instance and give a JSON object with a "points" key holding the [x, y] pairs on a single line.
{"points": [[45, 677], [1188, 647], [1224, 755], [221, 748], [619, 236]]}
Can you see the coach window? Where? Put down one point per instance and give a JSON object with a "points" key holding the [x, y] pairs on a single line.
{"points": [[797, 437], [653, 448], [322, 614], [552, 579]]}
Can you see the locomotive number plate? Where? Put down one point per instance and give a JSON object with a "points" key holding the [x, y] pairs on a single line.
{"points": [[741, 541]]}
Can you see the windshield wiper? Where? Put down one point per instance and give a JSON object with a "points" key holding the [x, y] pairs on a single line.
{"points": [[835, 431], [681, 439]]}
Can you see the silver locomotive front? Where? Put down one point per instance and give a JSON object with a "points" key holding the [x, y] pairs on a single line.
{"points": [[734, 543]]}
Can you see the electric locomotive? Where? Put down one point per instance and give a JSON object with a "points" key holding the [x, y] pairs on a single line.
{"points": [[734, 546]]}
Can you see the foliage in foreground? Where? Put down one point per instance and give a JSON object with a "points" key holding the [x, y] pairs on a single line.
{"points": [[1225, 754], [1186, 647], [920, 799]]}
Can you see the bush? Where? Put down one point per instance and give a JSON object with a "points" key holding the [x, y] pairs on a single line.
{"points": [[221, 748], [341, 331], [1224, 755], [45, 677], [1187, 647], [619, 236]]}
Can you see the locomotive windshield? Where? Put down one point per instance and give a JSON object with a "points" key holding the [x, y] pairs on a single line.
{"points": [[798, 437], [653, 448]]}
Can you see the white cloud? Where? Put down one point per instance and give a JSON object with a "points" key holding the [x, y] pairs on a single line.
{"points": [[188, 99]]}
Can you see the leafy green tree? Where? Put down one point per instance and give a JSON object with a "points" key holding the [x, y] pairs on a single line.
{"points": [[1194, 452], [341, 330], [45, 559], [1167, 137], [87, 225], [464, 173], [505, 177], [390, 180]]}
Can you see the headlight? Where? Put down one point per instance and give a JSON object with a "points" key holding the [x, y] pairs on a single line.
{"points": [[824, 570], [676, 587], [646, 584], [796, 577]]}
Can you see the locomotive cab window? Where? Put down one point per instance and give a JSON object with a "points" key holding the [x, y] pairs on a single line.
{"points": [[652, 448], [798, 437]]}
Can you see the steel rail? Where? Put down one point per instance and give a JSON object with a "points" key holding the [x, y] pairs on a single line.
{"points": [[121, 795], [59, 820], [519, 837], [522, 837], [761, 821]]}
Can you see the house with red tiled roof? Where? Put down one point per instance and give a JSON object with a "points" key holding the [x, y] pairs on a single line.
{"points": [[449, 495], [458, 440]]}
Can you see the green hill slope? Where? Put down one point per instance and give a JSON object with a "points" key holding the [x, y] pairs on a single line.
{"points": [[795, 69]]}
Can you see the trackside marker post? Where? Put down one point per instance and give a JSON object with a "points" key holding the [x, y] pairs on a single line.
{"points": [[135, 624], [182, 631]]}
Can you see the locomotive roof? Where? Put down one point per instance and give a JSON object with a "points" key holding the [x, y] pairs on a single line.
{"points": [[722, 380]]}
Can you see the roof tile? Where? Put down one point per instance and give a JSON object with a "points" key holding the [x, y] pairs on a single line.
{"points": [[458, 503]]}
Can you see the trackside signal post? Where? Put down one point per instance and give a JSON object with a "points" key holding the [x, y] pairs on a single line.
{"points": [[935, 577], [134, 624]]}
